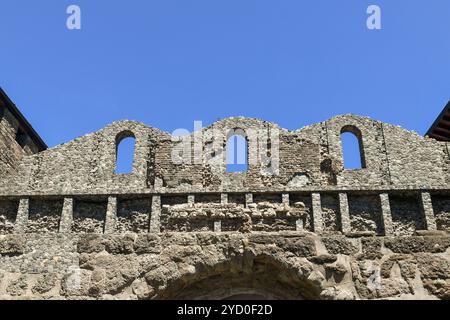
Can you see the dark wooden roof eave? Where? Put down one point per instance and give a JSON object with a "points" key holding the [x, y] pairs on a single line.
{"points": [[23, 121], [440, 129]]}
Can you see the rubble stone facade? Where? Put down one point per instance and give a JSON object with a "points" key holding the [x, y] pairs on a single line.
{"points": [[71, 228]]}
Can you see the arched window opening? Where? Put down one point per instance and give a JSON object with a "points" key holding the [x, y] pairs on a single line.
{"points": [[352, 148], [237, 152], [125, 153]]}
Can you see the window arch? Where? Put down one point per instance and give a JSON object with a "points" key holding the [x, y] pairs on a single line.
{"points": [[352, 148], [237, 151], [125, 145]]}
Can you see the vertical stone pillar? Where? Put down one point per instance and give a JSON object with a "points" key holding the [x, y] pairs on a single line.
{"points": [[155, 216], [317, 212], [248, 224], [191, 199], [386, 214], [248, 198], [224, 198], [427, 209], [285, 198], [111, 215], [218, 223], [65, 224], [344, 212], [299, 225], [22, 216]]}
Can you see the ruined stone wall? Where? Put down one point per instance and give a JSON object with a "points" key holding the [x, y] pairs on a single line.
{"points": [[307, 159], [86, 165], [394, 157], [70, 227], [279, 265]]}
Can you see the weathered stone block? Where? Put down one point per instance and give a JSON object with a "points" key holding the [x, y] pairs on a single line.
{"points": [[371, 248], [339, 245], [301, 247], [120, 244], [18, 287], [323, 258], [147, 243], [90, 243], [44, 284], [12, 245], [435, 274], [417, 244]]}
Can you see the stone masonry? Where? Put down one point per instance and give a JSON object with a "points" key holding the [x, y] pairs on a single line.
{"points": [[71, 228]]}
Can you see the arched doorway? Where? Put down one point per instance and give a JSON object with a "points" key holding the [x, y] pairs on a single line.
{"points": [[259, 278]]}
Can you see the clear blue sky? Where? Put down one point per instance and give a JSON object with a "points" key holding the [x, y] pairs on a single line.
{"points": [[168, 63]]}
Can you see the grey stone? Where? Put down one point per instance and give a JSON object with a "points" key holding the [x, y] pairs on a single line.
{"points": [[339, 245], [45, 283], [148, 243], [120, 244], [323, 258], [90, 243], [71, 228], [17, 287], [417, 244], [12, 245]]}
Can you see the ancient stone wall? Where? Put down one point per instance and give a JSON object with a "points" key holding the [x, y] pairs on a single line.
{"points": [[211, 265], [307, 159], [295, 225]]}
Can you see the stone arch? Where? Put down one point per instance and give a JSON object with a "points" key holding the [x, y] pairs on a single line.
{"points": [[263, 276], [238, 140], [353, 130], [120, 137]]}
